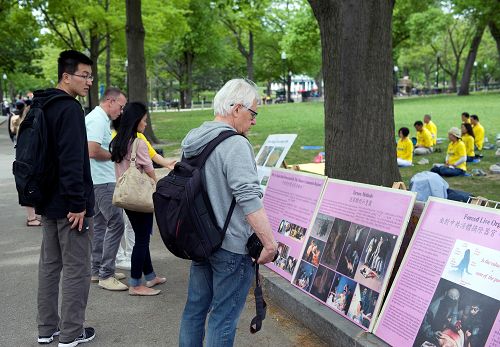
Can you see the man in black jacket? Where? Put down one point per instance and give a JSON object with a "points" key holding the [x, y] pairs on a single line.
{"points": [[67, 209]]}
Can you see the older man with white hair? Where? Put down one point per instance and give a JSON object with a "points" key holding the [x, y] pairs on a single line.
{"points": [[220, 284]]}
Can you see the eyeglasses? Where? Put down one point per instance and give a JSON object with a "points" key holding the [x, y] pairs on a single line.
{"points": [[87, 77], [252, 112]]}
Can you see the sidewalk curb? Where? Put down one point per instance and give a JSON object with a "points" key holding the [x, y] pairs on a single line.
{"points": [[328, 325]]}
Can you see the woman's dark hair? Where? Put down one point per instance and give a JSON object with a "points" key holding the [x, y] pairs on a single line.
{"points": [[468, 127], [132, 115], [405, 131]]}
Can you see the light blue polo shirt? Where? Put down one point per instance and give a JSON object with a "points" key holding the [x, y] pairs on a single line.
{"points": [[98, 127]]}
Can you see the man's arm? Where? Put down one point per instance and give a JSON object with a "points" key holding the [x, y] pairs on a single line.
{"points": [[97, 152], [260, 224]]}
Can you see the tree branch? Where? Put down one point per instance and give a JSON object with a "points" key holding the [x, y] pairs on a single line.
{"points": [[53, 27], [80, 34]]}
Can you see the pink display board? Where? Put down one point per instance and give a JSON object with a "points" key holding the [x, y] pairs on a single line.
{"points": [[350, 250], [290, 201], [447, 290]]}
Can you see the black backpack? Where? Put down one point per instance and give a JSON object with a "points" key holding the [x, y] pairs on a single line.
{"points": [[32, 168], [183, 210]]}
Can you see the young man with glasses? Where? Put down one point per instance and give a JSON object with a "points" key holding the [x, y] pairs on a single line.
{"points": [[108, 219], [67, 207], [220, 284]]}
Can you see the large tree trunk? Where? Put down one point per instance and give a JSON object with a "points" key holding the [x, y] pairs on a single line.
{"points": [[469, 63], [137, 80], [189, 59], [249, 57], [357, 69]]}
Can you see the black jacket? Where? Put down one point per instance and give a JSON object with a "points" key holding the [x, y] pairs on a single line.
{"points": [[70, 189]]}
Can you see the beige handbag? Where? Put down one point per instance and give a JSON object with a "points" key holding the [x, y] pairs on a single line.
{"points": [[134, 190]]}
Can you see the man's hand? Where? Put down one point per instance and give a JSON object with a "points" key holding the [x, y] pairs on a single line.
{"points": [[76, 219], [267, 255]]}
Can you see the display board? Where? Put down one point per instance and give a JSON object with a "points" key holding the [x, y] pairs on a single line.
{"points": [[350, 251], [271, 154], [447, 290], [290, 201]]}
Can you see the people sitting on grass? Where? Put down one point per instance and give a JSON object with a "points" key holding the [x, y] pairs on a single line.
{"points": [[424, 139], [456, 156], [404, 148], [468, 139], [431, 126], [478, 132], [465, 117]]}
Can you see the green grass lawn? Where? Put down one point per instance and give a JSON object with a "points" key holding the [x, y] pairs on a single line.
{"points": [[306, 120]]}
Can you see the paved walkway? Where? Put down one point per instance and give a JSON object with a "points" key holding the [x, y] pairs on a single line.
{"points": [[119, 319]]}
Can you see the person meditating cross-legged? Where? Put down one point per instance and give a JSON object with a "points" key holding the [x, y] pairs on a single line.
{"points": [[456, 156]]}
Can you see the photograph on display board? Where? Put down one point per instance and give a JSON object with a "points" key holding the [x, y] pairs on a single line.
{"points": [[335, 242], [363, 305], [291, 262], [341, 294], [314, 250], [353, 249], [375, 259], [457, 316], [281, 260], [263, 154], [273, 158], [305, 276], [322, 283], [322, 227]]}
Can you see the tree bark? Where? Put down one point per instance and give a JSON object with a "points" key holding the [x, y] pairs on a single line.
{"points": [[94, 55], [249, 57], [495, 32], [471, 57], [357, 69], [137, 80]]}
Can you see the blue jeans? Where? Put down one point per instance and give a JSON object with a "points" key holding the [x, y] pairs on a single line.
{"points": [[219, 285], [142, 223], [448, 171]]}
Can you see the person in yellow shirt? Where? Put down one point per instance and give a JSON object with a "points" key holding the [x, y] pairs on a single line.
{"points": [[456, 156], [424, 139], [429, 125], [404, 148], [478, 132], [465, 117], [468, 139]]}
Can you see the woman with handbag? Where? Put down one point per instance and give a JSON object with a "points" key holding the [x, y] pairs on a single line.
{"points": [[126, 149]]}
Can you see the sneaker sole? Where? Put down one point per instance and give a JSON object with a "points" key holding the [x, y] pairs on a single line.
{"points": [[46, 340], [76, 343]]}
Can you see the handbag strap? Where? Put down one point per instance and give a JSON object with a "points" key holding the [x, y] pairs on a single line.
{"points": [[133, 155]]}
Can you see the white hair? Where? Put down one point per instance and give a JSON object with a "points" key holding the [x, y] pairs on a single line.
{"points": [[236, 91]]}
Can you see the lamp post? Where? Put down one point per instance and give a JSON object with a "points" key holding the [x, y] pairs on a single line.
{"points": [[475, 76], [4, 95], [485, 67], [283, 59], [395, 70]]}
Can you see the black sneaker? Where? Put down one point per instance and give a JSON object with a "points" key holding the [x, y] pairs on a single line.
{"points": [[48, 339], [87, 335]]}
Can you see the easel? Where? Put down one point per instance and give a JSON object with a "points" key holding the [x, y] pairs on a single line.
{"points": [[480, 201]]}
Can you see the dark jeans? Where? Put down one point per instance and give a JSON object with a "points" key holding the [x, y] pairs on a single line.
{"points": [[142, 223], [448, 171]]}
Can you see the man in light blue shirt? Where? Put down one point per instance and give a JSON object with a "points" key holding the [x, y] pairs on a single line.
{"points": [[108, 219]]}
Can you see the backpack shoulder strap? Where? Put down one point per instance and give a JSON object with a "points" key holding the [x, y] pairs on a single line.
{"points": [[201, 158]]}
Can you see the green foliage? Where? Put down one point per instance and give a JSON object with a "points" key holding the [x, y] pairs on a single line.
{"points": [[18, 30]]}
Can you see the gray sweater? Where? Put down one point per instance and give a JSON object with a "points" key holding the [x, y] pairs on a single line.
{"points": [[230, 171]]}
